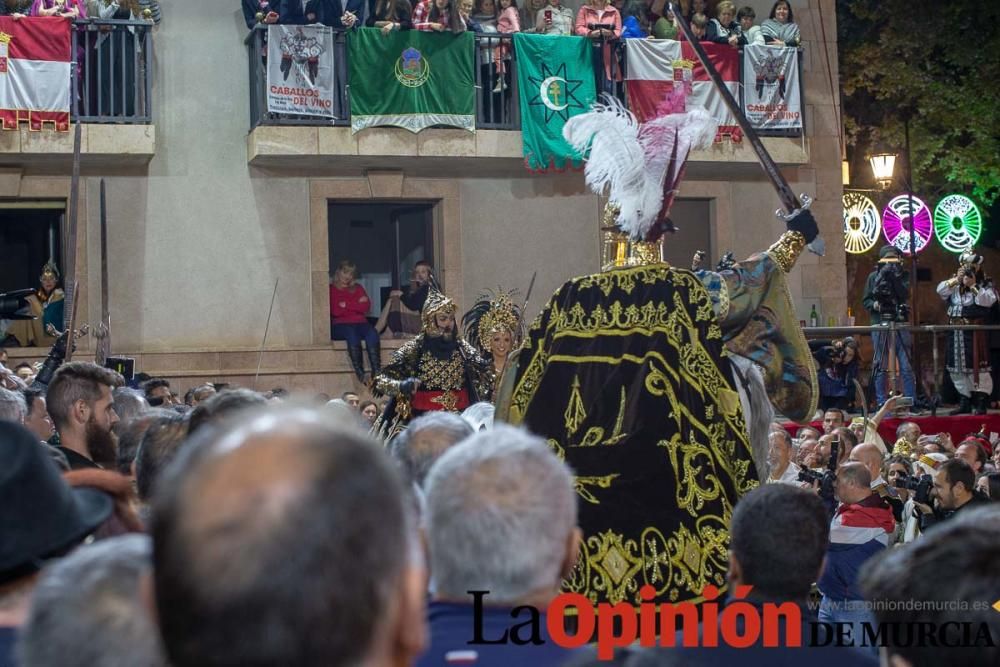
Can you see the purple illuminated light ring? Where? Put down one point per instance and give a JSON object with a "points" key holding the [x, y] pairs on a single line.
{"points": [[894, 227]]}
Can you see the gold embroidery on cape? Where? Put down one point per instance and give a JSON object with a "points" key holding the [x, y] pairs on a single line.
{"points": [[595, 434], [575, 413], [677, 560], [696, 480], [612, 566], [580, 485]]}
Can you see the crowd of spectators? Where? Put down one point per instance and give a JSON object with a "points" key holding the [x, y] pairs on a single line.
{"points": [[600, 20], [879, 500], [237, 527]]}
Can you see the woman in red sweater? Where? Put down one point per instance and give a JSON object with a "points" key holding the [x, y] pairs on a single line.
{"points": [[349, 306]]}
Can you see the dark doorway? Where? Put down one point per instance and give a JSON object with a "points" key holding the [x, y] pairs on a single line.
{"points": [[385, 241], [28, 239]]}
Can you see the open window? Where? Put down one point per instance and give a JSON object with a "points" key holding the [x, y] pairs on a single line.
{"points": [[384, 240]]}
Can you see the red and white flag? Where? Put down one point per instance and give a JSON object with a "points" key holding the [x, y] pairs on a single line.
{"points": [[35, 61], [663, 75]]}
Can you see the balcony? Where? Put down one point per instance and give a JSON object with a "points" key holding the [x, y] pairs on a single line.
{"points": [[311, 142], [111, 99]]}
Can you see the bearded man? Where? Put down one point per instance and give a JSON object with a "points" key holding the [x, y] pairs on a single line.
{"points": [[82, 409], [437, 370]]}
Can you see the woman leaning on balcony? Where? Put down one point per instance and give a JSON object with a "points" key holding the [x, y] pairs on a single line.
{"points": [[437, 16], [601, 22], [780, 29], [391, 15], [70, 9]]}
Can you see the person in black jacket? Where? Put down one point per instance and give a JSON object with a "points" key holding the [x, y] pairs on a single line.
{"points": [[287, 12], [402, 313]]}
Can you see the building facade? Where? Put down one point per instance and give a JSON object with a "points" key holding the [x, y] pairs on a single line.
{"points": [[205, 214]]}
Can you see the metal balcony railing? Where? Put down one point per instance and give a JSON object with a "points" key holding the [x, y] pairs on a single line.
{"points": [[497, 106], [112, 76]]}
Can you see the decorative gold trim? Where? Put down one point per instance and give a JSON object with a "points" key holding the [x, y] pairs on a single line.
{"points": [[786, 250]]}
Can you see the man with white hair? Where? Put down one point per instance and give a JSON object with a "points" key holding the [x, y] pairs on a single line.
{"points": [[14, 409], [425, 440], [502, 533], [86, 610], [12, 406], [779, 456]]}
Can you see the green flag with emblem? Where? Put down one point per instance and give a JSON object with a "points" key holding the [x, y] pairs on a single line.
{"points": [[411, 79], [555, 77]]}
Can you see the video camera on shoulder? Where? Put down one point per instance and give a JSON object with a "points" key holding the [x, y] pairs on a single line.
{"points": [[921, 486]]}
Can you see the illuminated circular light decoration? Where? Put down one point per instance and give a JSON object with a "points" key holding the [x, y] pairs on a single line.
{"points": [[862, 223], [896, 223], [957, 223]]}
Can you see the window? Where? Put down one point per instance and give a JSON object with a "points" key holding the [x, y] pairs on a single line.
{"points": [[384, 240], [28, 238]]}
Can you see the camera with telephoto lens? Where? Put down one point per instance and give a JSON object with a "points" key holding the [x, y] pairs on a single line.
{"points": [[921, 486], [14, 305]]}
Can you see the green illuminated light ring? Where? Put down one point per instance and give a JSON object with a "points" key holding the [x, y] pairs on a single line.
{"points": [[862, 223], [958, 223]]}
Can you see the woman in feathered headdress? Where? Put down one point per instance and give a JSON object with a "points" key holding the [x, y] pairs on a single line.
{"points": [[493, 324]]}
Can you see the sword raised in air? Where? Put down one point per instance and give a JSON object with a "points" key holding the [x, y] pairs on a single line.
{"points": [[791, 204]]}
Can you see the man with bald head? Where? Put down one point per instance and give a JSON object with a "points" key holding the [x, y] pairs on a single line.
{"points": [[860, 529], [870, 456], [282, 539]]}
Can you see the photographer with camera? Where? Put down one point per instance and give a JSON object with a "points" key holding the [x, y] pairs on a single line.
{"points": [[954, 490], [837, 364], [860, 528], [886, 299], [969, 296]]}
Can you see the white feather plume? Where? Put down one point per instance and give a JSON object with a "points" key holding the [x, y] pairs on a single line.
{"points": [[617, 162], [631, 161]]}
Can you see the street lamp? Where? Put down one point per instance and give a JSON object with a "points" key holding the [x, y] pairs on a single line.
{"points": [[882, 166]]}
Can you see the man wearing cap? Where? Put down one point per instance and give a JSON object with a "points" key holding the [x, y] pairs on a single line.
{"points": [[41, 518], [886, 299]]}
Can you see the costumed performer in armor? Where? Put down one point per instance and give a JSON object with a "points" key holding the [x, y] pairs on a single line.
{"points": [[969, 296], [493, 324], [437, 370], [47, 305], [626, 373]]}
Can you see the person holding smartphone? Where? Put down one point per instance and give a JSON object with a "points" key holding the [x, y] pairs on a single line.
{"points": [[554, 19]]}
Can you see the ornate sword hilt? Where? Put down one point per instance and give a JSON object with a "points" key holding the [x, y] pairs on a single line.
{"points": [[806, 202], [818, 245]]}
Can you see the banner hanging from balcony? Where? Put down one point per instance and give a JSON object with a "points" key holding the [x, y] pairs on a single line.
{"points": [[35, 73], [411, 79], [555, 76], [300, 70], [664, 75], [771, 97]]}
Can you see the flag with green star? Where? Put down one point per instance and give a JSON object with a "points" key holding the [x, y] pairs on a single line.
{"points": [[555, 77]]}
